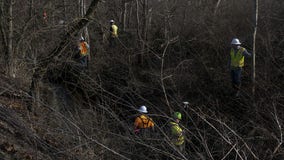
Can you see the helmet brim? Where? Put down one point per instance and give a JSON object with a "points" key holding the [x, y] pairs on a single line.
{"points": [[142, 111]]}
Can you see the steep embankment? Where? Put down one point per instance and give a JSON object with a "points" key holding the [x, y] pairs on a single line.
{"points": [[20, 139]]}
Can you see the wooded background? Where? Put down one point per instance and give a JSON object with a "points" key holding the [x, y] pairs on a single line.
{"points": [[168, 51]]}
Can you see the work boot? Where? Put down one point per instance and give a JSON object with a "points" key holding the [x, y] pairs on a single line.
{"points": [[238, 87], [234, 90]]}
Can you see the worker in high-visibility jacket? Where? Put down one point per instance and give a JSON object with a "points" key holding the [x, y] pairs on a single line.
{"points": [[143, 123], [177, 133], [84, 50], [236, 64], [113, 34]]}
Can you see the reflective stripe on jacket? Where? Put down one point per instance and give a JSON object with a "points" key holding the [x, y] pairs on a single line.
{"points": [[143, 121], [177, 134], [237, 59]]}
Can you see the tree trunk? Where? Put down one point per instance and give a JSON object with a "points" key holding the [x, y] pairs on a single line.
{"points": [[11, 57], [166, 21], [124, 13], [142, 33], [137, 18], [3, 34], [64, 10], [140, 57], [36, 99], [31, 8], [145, 26], [130, 14], [150, 17], [253, 47]]}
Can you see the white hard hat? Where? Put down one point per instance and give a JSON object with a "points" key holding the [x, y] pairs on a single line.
{"points": [[236, 41], [185, 103], [111, 21], [143, 109], [82, 39]]}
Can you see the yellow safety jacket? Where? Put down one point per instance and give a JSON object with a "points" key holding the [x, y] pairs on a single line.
{"points": [[143, 121], [177, 134], [237, 59], [83, 48], [114, 29]]}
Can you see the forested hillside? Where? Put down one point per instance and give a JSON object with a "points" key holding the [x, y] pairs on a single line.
{"points": [[58, 102]]}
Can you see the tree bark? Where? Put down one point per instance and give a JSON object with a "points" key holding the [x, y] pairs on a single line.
{"points": [[254, 47], [124, 13], [137, 18], [64, 10], [3, 26], [145, 26], [10, 56], [140, 57], [130, 14]]}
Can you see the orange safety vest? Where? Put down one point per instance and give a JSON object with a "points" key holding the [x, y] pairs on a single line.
{"points": [[83, 48], [143, 121]]}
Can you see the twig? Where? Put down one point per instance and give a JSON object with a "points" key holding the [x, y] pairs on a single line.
{"points": [[162, 76], [229, 151], [280, 129]]}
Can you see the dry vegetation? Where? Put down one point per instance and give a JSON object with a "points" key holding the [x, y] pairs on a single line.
{"points": [[169, 51]]}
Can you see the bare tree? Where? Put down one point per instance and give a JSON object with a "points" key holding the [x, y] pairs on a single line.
{"points": [[10, 40], [7, 30], [3, 32], [254, 47], [124, 14]]}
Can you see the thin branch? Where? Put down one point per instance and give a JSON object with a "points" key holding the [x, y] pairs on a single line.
{"points": [[233, 147], [162, 75], [280, 130], [217, 6]]}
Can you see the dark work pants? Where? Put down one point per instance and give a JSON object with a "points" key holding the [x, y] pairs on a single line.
{"points": [[236, 77], [112, 42], [84, 61]]}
